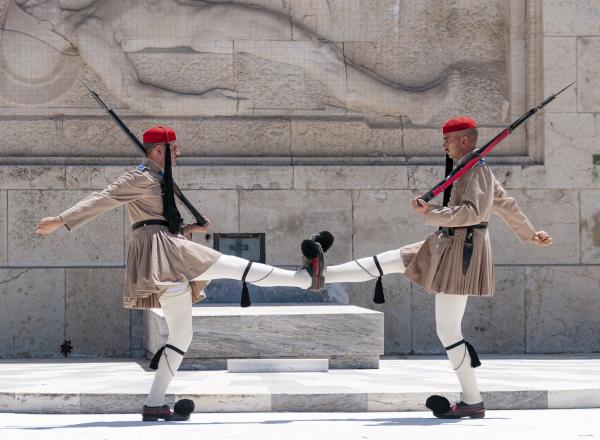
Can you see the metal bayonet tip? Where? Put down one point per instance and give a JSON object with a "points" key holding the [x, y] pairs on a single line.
{"points": [[558, 93]]}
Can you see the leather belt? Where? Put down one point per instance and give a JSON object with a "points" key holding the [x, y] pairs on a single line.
{"points": [[468, 245], [148, 223]]}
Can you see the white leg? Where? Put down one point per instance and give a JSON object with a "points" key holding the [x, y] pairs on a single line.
{"points": [[449, 311], [177, 308], [365, 269], [228, 266]]}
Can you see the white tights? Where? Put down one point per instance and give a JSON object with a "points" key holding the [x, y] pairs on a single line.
{"points": [[176, 305]]}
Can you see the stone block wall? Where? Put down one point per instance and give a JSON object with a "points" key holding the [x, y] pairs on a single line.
{"points": [[302, 152]]}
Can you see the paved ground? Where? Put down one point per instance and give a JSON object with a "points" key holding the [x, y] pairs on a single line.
{"points": [[517, 425], [120, 386]]}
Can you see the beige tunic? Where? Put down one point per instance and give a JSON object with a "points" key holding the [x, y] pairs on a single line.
{"points": [[437, 262], [156, 259]]}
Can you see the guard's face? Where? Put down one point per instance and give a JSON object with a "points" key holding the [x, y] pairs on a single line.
{"points": [[175, 152], [453, 145]]}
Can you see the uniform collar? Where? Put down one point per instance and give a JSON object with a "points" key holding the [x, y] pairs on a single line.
{"points": [[153, 166]]}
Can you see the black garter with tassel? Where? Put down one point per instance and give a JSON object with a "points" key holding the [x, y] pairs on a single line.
{"points": [[245, 301], [378, 297], [156, 359], [475, 362]]}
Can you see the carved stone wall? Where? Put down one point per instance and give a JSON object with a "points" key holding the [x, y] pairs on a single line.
{"points": [[297, 116]]}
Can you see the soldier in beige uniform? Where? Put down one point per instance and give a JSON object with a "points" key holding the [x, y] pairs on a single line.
{"points": [[454, 262], [164, 267]]}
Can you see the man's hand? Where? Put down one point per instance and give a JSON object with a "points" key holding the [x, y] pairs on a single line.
{"points": [[48, 225], [188, 230], [542, 238], [420, 206]]}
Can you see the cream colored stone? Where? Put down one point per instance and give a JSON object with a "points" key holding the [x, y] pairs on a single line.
{"points": [[3, 229], [98, 243], [562, 309], [560, 70], [590, 227], [396, 309], [350, 177], [32, 312], [32, 137], [96, 322], [485, 320], [424, 177], [32, 177], [588, 84], [570, 141], [288, 217], [383, 220], [554, 211], [344, 138], [571, 17], [97, 177], [236, 177]]}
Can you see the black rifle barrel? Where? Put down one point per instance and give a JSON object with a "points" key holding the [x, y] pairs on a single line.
{"points": [[200, 219]]}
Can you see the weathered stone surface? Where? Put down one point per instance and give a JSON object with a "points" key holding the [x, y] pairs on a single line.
{"points": [[396, 309], [97, 243], [560, 70], [96, 322], [345, 138], [588, 85], [492, 325], [383, 220], [287, 217], [319, 402], [424, 177], [98, 177], [235, 177], [234, 137], [32, 137], [32, 312], [570, 141], [554, 211], [3, 229], [344, 20], [561, 309], [288, 75], [590, 227], [32, 177], [350, 177], [571, 17]]}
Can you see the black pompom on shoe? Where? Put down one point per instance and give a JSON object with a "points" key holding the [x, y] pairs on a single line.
{"points": [[438, 404], [184, 408], [324, 238], [311, 249]]}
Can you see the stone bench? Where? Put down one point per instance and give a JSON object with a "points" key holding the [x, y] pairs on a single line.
{"points": [[348, 336]]}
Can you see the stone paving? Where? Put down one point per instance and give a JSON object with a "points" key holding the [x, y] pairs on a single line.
{"points": [[120, 386]]}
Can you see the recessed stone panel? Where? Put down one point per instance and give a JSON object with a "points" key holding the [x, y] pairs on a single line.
{"points": [[96, 322], [492, 325], [350, 177], [553, 211], [3, 229], [32, 312], [97, 243], [235, 177], [590, 227], [32, 137], [288, 217], [98, 177], [562, 309]]}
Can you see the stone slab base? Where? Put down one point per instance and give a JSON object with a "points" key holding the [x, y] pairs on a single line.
{"points": [[277, 365], [347, 336]]}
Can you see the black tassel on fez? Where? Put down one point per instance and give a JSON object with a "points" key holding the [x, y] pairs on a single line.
{"points": [[378, 297], [245, 301]]}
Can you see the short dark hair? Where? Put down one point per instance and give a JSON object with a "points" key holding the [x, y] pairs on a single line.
{"points": [[148, 147]]}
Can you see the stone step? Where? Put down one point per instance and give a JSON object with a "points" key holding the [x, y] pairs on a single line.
{"points": [[348, 336], [277, 365]]}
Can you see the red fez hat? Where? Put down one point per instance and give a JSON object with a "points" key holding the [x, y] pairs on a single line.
{"points": [[459, 123], [159, 134]]}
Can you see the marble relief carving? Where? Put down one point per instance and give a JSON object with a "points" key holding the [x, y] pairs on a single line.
{"points": [[188, 57]]}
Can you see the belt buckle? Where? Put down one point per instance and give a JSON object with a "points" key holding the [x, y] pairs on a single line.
{"points": [[447, 231]]}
